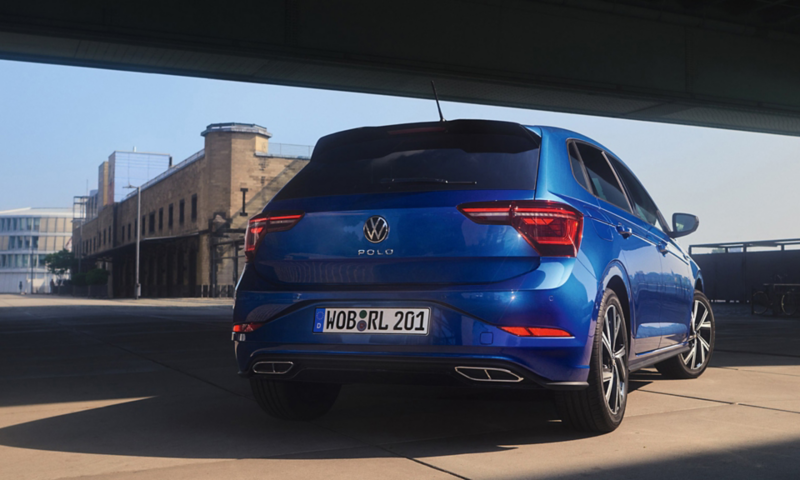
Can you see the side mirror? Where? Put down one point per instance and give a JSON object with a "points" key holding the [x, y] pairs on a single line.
{"points": [[683, 224]]}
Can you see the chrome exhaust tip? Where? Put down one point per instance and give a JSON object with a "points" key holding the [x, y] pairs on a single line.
{"points": [[272, 368], [489, 374]]}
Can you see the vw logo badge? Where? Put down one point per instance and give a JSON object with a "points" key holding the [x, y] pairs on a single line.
{"points": [[376, 229]]}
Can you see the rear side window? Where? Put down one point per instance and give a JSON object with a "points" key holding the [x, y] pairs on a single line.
{"points": [[419, 162], [602, 178], [643, 205], [577, 167]]}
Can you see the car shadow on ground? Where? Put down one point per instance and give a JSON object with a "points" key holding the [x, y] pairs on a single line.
{"points": [[219, 425]]}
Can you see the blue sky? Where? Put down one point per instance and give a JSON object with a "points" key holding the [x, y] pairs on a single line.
{"points": [[59, 123]]}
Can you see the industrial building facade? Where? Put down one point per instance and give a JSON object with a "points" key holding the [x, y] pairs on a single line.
{"points": [[27, 235], [193, 216]]}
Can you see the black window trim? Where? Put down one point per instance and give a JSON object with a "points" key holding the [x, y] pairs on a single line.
{"points": [[583, 167], [586, 174]]}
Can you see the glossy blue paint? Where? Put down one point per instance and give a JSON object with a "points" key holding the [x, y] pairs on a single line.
{"points": [[474, 278]]}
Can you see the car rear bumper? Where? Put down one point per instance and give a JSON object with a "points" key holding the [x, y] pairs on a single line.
{"points": [[416, 370], [465, 329]]}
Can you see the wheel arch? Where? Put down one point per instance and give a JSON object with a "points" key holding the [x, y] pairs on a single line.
{"points": [[698, 283], [616, 279]]}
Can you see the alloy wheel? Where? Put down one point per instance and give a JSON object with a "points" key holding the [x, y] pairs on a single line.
{"points": [[700, 338], [615, 372]]}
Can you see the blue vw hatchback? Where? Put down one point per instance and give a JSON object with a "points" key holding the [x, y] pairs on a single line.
{"points": [[467, 252]]}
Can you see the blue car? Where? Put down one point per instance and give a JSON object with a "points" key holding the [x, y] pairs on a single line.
{"points": [[467, 252]]}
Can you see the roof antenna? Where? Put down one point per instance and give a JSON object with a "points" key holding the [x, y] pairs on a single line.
{"points": [[441, 117]]}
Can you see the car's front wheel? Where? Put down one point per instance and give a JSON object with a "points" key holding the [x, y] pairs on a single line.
{"points": [[702, 335], [601, 406], [294, 400]]}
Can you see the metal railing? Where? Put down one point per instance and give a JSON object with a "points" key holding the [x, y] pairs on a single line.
{"points": [[288, 150]]}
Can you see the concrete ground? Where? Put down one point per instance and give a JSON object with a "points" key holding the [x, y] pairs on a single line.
{"points": [[127, 390]]}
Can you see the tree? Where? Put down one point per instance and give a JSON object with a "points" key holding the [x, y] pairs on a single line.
{"points": [[59, 263], [97, 276]]}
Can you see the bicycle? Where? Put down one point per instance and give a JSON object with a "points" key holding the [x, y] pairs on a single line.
{"points": [[760, 303], [789, 303]]}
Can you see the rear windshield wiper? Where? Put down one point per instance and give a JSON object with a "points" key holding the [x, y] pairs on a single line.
{"points": [[426, 180]]}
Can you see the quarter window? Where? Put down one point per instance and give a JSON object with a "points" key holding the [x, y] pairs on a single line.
{"points": [[577, 168], [602, 178]]}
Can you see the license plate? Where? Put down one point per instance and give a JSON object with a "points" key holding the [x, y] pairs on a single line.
{"points": [[397, 321]]}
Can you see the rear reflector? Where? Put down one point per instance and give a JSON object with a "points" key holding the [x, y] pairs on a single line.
{"points": [[553, 229], [537, 332], [265, 223], [247, 327]]}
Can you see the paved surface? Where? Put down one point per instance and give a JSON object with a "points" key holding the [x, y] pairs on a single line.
{"points": [[131, 390]]}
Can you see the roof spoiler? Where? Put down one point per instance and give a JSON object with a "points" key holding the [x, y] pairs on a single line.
{"points": [[483, 127]]}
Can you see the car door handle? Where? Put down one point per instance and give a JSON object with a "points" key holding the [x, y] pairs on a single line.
{"points": [[662, 247], [624, 231]]}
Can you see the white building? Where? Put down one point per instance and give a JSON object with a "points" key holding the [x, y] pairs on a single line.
{"points": [[27, 235]]}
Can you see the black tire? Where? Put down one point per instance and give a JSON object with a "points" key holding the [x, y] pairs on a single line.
{"points": [[789, 304], [760, 303], [294, 400], [686, 365], [591, 409]]}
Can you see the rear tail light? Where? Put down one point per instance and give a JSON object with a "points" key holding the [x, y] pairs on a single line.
{"points": [[552, 228], [246, 327], [537, 332], [265, 223]]}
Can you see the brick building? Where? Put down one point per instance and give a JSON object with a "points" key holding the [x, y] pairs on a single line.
{"points": [[193, 216]]}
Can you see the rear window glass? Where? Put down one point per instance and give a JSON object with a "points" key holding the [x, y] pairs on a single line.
{"points": [[419, 162]]}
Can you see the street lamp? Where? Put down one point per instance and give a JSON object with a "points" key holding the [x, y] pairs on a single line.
{"points": [[31, 260], [138, 288]]}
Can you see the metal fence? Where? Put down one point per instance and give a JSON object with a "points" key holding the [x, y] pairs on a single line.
{"points": [[734, 271], [288, 150]]}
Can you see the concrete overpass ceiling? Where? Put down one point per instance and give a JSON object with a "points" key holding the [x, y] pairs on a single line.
{"points": [[720, 63]]}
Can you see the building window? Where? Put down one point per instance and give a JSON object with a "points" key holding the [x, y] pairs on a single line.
{"points": [[110, 237], [194, 207], [181, 210], [143, 232], [169, 216], [129, 232], [152, 222], [161, 219], [104, 237]]}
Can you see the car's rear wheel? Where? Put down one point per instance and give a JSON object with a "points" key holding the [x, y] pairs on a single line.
{"points": [[601, 406], [702, 334], [294, 400]]}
